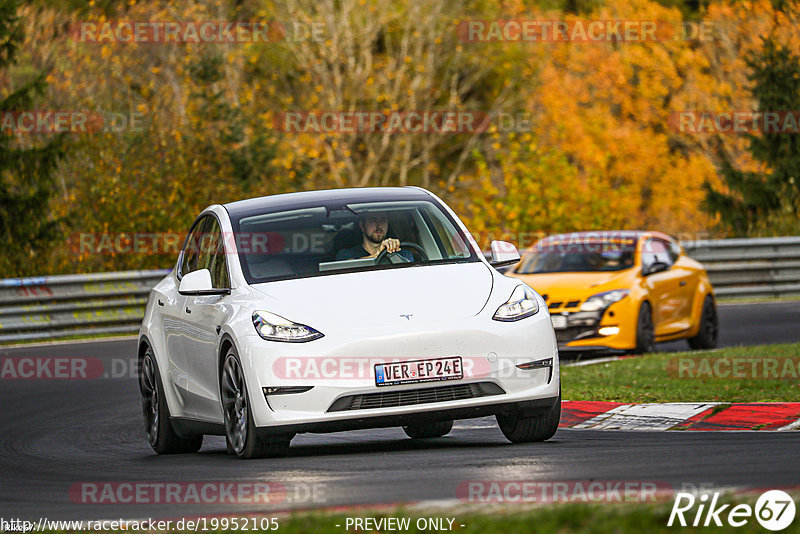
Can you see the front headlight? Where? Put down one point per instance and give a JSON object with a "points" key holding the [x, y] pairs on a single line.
{"points": [[521, 304], [601, 301], [275, 328]]}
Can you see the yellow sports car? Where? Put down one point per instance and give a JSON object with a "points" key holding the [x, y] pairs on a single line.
{"points": [[621, 291]]}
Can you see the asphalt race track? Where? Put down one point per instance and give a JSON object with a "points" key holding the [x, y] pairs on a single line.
{"points": [[58, 434]]}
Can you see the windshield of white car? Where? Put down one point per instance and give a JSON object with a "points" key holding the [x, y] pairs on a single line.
{"points": [[329, 239]]}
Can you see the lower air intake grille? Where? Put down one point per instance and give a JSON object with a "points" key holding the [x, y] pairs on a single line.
{"points": [[409, 397]]}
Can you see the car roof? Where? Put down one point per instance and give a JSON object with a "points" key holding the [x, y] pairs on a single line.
{"points": [[303, 199], [600, 235]]}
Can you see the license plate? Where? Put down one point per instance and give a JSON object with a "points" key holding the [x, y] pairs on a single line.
{"points": [[559, 321], [416, 371]]}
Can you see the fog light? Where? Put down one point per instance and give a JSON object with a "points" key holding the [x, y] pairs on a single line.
{"points": [[538, 364], [609, 331]]}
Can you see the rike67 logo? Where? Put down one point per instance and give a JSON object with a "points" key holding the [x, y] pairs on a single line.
{"points": [[774, 510]]}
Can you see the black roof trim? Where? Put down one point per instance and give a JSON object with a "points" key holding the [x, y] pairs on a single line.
{"points": [[305, 199]]}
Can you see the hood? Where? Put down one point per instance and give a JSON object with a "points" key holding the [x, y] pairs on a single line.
{"points": [[372, 298], [569, 286]]}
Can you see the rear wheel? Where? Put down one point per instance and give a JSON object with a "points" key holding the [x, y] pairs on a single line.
{"points": [[160, 434], [706, 337], [435, 429], [519, 429], [645, 331], [242, 439]]}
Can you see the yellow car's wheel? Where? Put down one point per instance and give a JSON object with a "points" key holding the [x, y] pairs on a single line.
{"points": [[645, 331], [706, 337]]}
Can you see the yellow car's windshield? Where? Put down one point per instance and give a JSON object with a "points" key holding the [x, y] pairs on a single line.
{"points": [[575, 259]]}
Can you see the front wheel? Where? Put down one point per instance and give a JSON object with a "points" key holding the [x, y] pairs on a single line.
{"points": [[518, 429], [242, 439], [434, 429], [160, 434], [645, 331], [706, 337]]}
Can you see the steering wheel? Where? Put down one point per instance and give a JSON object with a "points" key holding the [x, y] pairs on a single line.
{"points": [[383, 255]]}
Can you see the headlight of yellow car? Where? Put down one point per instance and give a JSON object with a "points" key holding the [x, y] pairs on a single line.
{"points": [[601, 301]]}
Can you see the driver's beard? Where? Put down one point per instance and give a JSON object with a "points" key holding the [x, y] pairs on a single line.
{"points": [[375, 240]]}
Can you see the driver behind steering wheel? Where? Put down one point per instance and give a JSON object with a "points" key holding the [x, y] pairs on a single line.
{"points": [[374, 229]]}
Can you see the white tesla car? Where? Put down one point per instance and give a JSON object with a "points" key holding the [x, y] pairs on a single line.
{"points": [[335, 310]]}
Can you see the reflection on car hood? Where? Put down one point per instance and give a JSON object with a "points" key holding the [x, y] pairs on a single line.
{"points": [[448, 291], [575, 285]]}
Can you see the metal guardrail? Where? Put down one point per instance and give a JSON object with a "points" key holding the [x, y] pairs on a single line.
{"points": [[50, 307], [767, 267], [55, 307]]}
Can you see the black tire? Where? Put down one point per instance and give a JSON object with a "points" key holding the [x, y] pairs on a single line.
{"points": [[706, 337], [159, 431], [434, 429], [518, 429], [241, 435], [645, 331]]}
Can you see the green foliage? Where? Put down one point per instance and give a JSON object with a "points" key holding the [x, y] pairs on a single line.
{"points": [[27, 228], [597, 152], [654, 378], [755, 198]]}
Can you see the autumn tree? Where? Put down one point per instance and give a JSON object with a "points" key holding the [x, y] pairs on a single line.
{"points": [[27, 227], [385, 57], [756, 201]]}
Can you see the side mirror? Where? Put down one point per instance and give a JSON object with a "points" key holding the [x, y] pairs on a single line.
{"points": [[199, 283], [656, 267], [503, 254]]}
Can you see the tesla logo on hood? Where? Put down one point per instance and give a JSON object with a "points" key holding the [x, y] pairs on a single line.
{"points": [[408, 316]]}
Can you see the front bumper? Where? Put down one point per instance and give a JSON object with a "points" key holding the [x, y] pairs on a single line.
{"points": [[340, 369], [582, 332], [530, 407]]}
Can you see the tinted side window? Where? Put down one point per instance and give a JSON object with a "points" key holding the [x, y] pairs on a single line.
{"points": [[212, 257], [654, 251], [674, 251], [192, 249]]}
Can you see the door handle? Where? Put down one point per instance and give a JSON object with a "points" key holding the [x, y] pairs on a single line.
{"points": [[188, 310], [683, 283], [160, 303]]}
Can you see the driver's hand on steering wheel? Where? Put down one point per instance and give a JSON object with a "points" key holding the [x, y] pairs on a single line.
{"points": [[389, 245]]}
